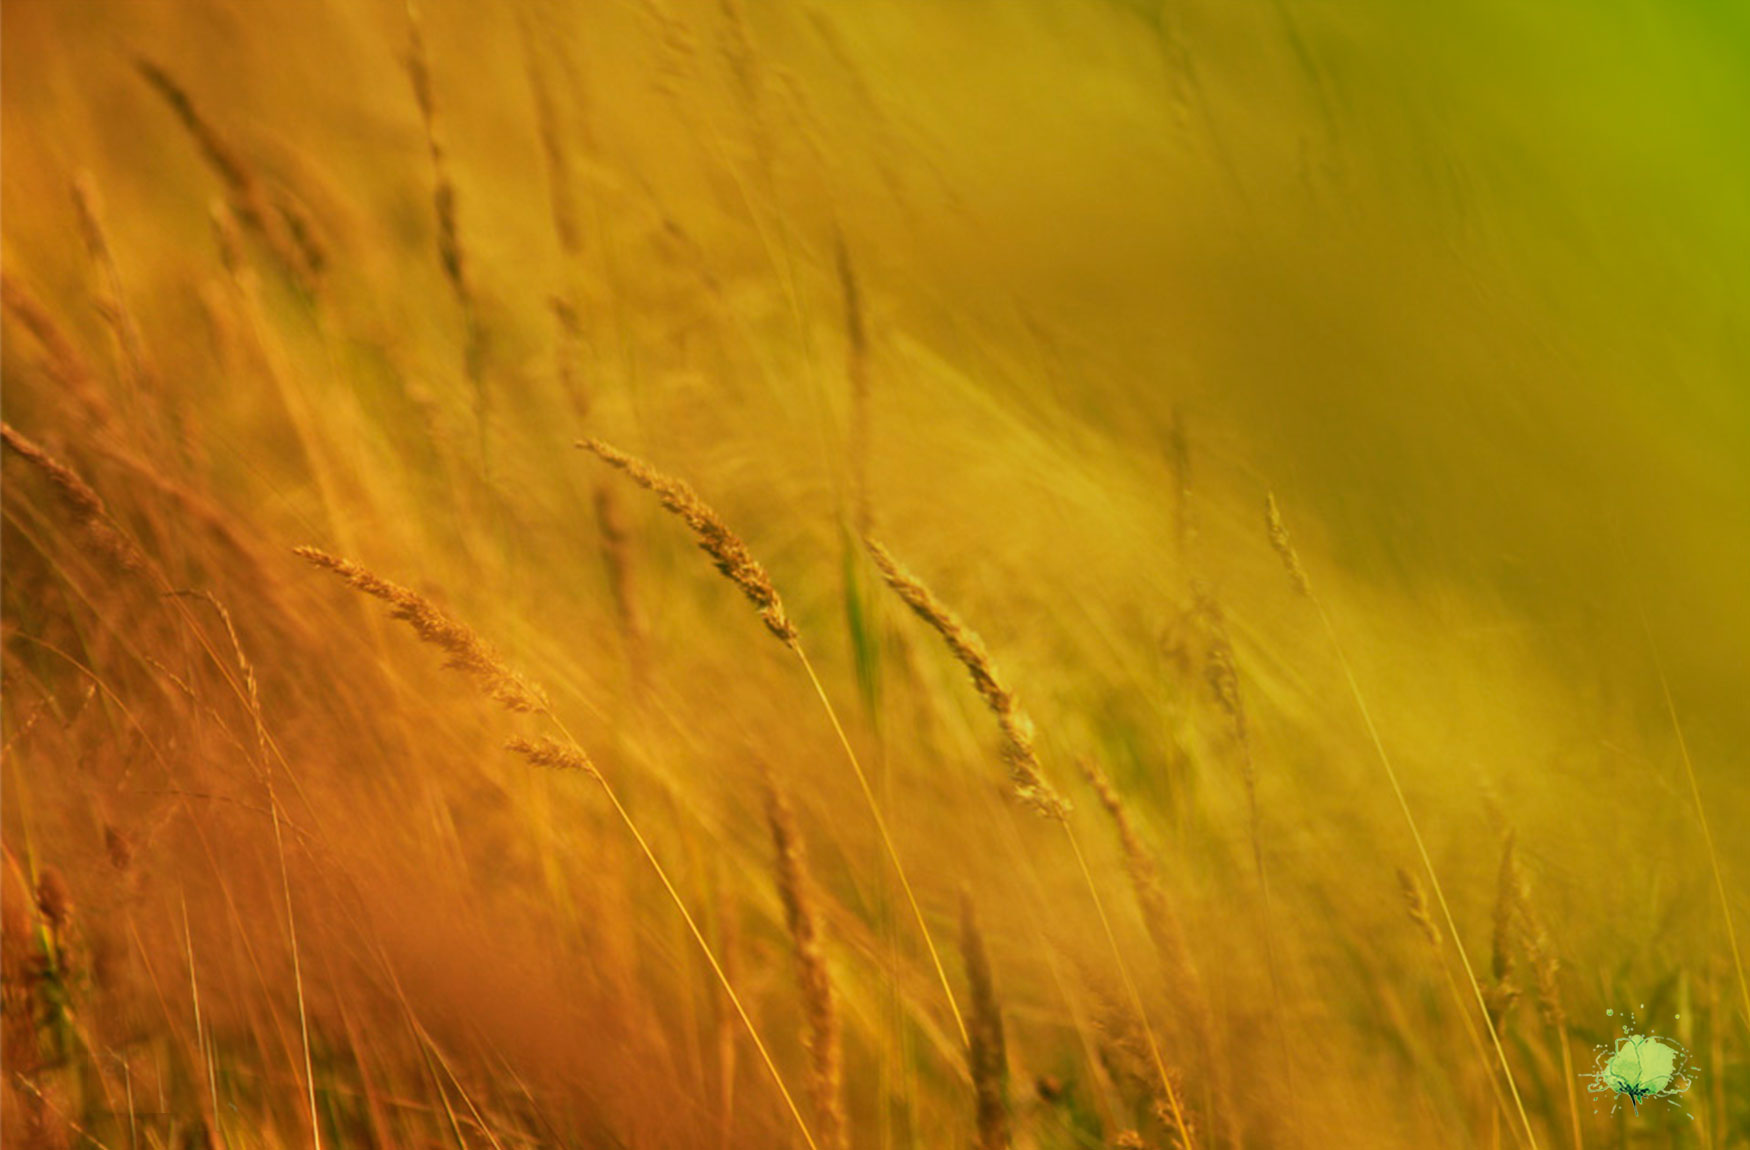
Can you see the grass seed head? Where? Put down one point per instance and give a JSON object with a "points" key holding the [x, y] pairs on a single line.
{"points": [[714, 536]]}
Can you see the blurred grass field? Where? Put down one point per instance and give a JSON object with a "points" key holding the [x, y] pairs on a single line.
{"points": [[1047, 298]]}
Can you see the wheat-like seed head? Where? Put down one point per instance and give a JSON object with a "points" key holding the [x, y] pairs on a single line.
{"points": [[714, 536], [467, 652], [825, 1054], [1159, 916], [857, 371], [1285, 546], [285, 234], [1532, 935], [65, 365], [1025, 775], [83, 504], [1417, 904], [1505, 990], [986, 1052], [622, 581], [548, 752]]}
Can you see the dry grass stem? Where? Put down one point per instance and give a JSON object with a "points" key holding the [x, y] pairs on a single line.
{"points": [[1279, 539], [65, 365], [1159, 917], [551, 753], [622, 580], [111, 299], [714, 536], [467, 652], [1284, 546], [84, 506], [819, 1005], [1026, 777], [986, 1053], [857, 372], [451, 253], [248, 195], [1416, 903]]}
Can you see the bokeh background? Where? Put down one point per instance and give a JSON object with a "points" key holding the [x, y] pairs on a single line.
{"points": [[1047, 297]]}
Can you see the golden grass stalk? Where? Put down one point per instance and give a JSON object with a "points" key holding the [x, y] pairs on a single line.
{"points": [[1179, 459], [622, 581], [1221, 669], [65, 365], [563, 208], [714, 537], [1279, 539], [986, 1052], [553, 754], [251, 686], [1026, 778], [252, 697], [1505, 990], [1707, 834], [1546, 968], [733, 559], [248, 195], [200, 1034], [1416, 903], [729, 933], [561, 190], [467, 652], [1284, 546], [83, 504], [1159, 918], [819, 1006], [857, 372], [1158, 915], [298, 982], [451, 254], [470, 655], [111, 299]]}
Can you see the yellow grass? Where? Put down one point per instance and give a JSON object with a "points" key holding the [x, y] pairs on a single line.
{"points": [[967, 341]]}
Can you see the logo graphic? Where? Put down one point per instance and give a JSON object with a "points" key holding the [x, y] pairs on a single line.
{"points": [[1640, 1067]]}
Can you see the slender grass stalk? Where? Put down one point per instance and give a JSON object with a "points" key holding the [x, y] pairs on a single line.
{"points": [[298, 981], [284, 234], [471, 655], [1416, 904], [1026, 776], [986, 1051], [1171, 1093], [451, 252], [1707, 834], [1545, 972], [200, 1035], [84, 506], [1279, 539], [738, 565], [1223, 675], [820, 1006]]}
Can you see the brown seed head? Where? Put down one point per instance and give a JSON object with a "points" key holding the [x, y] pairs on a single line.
{"points": [[547, 752], [825, 1054], [714, 536], [1417, 904], [987, 1052], [82, 503], [467, 652], [1285, 546], [1026, 778]]}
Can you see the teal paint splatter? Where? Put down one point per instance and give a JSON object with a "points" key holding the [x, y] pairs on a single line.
{"points": [[1640, 1067]]}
